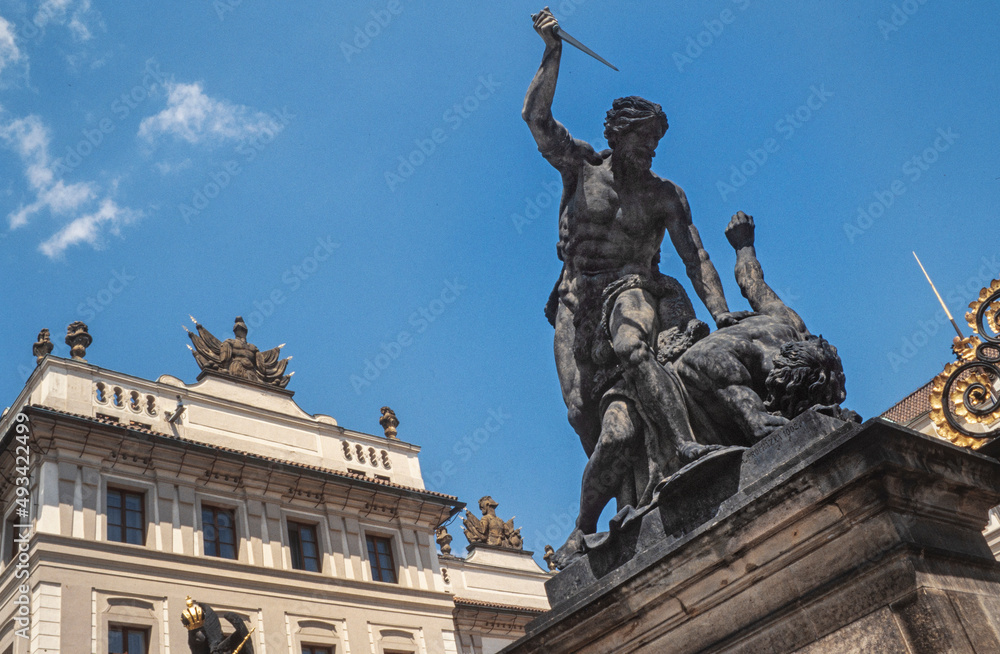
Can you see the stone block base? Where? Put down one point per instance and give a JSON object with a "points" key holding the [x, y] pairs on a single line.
{"points": [[841, 539]]}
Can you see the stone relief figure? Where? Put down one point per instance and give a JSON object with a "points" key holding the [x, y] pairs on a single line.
{"points": [[42, 347], [237, 357], [490, 529], [205, 631]]}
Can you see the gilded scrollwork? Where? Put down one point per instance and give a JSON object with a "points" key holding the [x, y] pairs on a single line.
{"points": [[964, 399]]}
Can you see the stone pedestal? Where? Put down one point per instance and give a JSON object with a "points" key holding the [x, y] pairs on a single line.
{"points": [[840, 538]]}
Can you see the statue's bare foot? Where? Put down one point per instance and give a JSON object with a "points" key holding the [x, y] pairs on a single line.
{"points": [[739, 231], [571, 550], [692, 451]]}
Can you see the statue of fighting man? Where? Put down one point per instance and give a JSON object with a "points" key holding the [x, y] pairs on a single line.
{"points": [[613, 215]]}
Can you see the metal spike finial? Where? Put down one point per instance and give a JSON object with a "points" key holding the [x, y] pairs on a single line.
{"points": [[943, 305], [192, 319]]}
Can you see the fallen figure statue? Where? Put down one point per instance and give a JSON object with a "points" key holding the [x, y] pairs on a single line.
{"points": [[749, 379]]}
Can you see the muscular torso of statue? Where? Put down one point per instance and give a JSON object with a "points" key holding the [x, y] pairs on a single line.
{"points": [[603, 229]]}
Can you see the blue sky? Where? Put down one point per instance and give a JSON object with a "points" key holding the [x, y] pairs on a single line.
{"points": [[347, 176]]}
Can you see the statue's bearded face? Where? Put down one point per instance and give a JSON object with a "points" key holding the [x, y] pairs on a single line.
{"points": [[636, 147]]}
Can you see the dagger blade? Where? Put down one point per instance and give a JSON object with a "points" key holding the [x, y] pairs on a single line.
{"points": [[561, 33]]}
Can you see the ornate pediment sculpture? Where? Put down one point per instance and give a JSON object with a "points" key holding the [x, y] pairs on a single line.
{"points": [[491, 530], [238, 358]]}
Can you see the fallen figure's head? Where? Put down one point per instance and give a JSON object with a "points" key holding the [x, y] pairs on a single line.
{"points": [[805, 374]]}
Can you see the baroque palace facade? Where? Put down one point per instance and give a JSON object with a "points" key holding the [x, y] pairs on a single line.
{"points": [[322, 539]]}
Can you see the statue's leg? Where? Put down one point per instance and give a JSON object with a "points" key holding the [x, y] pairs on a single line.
{"points": [[582, 412], [608, 466], [607, 472], [663, 396]]}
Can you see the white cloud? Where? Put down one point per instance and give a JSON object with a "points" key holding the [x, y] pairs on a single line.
{"points": [[194, 117], [169, 167], [9, 52], [30, 139], [71, 13], [87, 228]]}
